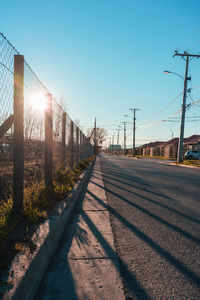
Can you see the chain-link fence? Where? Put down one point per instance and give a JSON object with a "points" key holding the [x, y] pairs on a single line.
{"points": [[37, 137], [7, 53]]}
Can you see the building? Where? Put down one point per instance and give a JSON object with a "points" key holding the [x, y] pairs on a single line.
{"points": [[168, 149]]}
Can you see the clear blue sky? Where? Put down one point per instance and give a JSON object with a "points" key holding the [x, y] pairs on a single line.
{"points": [[106, 56]]}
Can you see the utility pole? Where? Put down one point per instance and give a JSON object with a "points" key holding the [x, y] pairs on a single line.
{"points": [[124, 137], [134, 120], [181, 138], [118, 140], [118, 136], [172, 134]]}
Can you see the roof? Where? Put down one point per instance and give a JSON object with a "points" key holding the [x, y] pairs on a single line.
{"points": [[151, 144], [193, 139], [171, 142], [155, 144]]}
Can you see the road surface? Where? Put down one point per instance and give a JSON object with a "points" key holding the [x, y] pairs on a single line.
{"points": [[155, 216]]}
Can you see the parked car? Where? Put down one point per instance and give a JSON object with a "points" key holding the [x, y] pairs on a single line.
{"points": [[190, 154]]}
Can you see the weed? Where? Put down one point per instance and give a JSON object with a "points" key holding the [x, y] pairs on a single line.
{"points": [[38, 199]]}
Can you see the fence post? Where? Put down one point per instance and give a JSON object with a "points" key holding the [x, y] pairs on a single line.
{"points": [[83, 145], [48, 142], [72, 144], [86, 146], [77, 146], [18, 136], [64, 138], [80, 145]]}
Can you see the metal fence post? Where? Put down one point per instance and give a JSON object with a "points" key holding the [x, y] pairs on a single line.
{"points": [[72, 144], [48, 142], [18, 137], [77, 145], [64, 138]]}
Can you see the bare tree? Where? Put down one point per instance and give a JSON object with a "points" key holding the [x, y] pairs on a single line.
{"points": [[101, 135], [78, 124], [57, 120]]}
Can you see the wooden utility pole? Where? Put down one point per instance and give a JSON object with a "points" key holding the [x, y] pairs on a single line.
{"points": [[134, 120], [124, 137], [181, 137], [118, 136]]}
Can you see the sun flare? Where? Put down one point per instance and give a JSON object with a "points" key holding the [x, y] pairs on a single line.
{"points": [[38, 102]]}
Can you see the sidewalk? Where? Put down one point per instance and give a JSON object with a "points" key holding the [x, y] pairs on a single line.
{"points": [[85, 265]]}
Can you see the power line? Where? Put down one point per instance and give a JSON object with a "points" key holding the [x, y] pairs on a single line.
{"points": [[159, 112]]}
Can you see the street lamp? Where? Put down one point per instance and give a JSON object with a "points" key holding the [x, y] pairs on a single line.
{"points": [[180, 143], [169, 72]]}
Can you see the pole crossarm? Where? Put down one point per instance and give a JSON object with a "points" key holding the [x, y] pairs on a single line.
{"points": [[186, 54]]}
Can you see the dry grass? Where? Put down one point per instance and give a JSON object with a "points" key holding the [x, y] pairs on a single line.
{"points": [[38, 200], [158, 157], [195, 163]]}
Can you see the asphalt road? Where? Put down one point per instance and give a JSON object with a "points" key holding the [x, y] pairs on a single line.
{"points": [[155, 215]]}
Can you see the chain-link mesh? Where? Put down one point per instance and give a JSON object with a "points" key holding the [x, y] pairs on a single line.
{"points": [[34, 137], [7, 53], [68, 141], [57, 111], [69, 144]]}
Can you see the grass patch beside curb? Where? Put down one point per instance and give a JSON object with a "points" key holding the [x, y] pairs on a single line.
{"points": [[193, 163], [15, 233]]}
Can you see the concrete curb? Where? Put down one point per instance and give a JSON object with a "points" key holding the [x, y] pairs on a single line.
{"points": [[28, 269], [184, 166], [167, 162]]}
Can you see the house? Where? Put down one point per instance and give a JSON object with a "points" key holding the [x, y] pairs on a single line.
{"points": [[156, 148], [171, 148], [191, 142], [150, 149], [140, 149]]}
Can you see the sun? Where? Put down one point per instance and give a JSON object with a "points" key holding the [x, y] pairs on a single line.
{"points": [[38, 102]]}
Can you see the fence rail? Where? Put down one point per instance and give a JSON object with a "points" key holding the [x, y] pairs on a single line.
{"points": [[37, 136]]}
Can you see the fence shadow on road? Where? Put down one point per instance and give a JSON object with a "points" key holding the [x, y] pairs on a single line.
{"points": [[145, 211], [181, 267], [143, 189]]}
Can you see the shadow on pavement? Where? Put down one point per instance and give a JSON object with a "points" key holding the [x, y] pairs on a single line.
{"points": [[172, 260]]}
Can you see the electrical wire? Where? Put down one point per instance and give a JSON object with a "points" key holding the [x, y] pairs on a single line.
{"points": [[153, 117]]}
